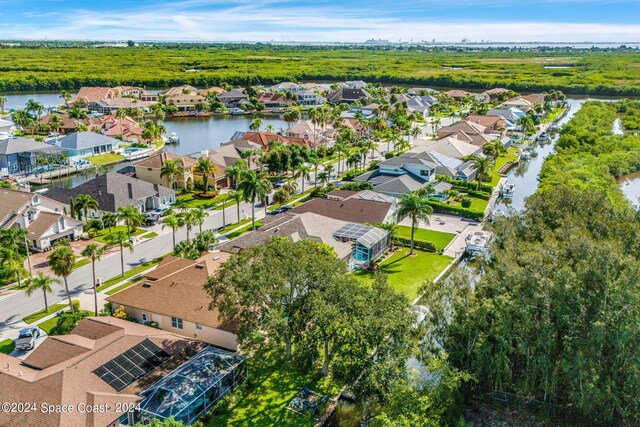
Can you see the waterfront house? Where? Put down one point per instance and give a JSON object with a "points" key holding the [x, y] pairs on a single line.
{"points": [[510, 115], [112, 105], [90, 94], [274, 100], [123, 128], [80, 145], [215, 90], [149, 169], [286, 87], [493, 93], [129, 91], [149, 96], [114, 190], [453, 148], [308, 97], [233, 98], [265, 139], [132, 372], [493, 124], [179, 90], [348, 95], [354, 84], [519, 103], [185, 101], [23, 155], [535, 98], [469, 131], [43, 218], [70, 124], [174, 299]]}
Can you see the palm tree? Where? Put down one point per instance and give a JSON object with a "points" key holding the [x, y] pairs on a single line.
{"points": [[109, 220], [483, 166], [270, 128], [12, 262], [55, 123], [281, 197], [41, 282], [206, 168], [171, 170], [120, 238], [189, 218], [415, 132], [131, 217], [315, 161], [77, 113], [61, 262], [494, 148], [35, 107], [254, 186], [175, 222], [303, 174], [94, 252], [83, 204], [290, 186], [199, 215], [234, 171], [324, 178], [64, 94], [417, 208], [3, 100], [236, 196]]}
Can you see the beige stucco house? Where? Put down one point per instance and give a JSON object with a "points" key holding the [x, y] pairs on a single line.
{"points": [[149, 169]]}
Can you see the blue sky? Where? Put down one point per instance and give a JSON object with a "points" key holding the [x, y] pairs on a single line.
{"points": [[322, 20]]}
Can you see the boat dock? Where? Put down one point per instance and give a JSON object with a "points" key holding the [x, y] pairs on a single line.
{"points": [[46, 177]]}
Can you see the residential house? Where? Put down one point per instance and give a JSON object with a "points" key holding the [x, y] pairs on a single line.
{"points": [[362, 207], [354, 84], [185, 101], [348, 95], [309, 97], [305, 129], [274, 100], [356, 244], [286, 87], [149, 169], [510, 115], [112, 105], [6, 127], [112, 372], [22, 155], [453, 148], [492, 93], [493, 124], [129, 91], [233, 98], [421, 104], [535, 98], [43, 218], [90, 94], [149, 96], [413, 171], [173, 296], [179, 90], [264, 139], [70, 124], [519, 103], [123, 128], [316, 87], [80, 145], [421, 91], [471, 132], [114, 190], [212, 91], [457, 94]]}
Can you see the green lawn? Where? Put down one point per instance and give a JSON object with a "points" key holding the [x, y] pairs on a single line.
{"points": [[407, 274], [103, 159], [271, 384], [477, 205], [510, 156], [128, 274], [102, 234], [82, 262], [123, 286], [7, 346], [34, 317], [438, 238], [47, 325], [150, 235], [190, 201]]}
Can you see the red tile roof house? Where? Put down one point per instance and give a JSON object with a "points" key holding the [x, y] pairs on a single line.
{"points": [[265, 138], [274, 100], [492, 123], [470, 132], [92, 94], [100, 372]]}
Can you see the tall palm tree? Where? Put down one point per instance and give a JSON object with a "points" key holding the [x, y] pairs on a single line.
{"points": [[55, 123], [34, 107], [483, 166], [189, 217], [494, 148], [131, 217], [109, 220], [61, 262], [3, 100], [236, 196], [303, 174], [199, 215], [254, 186], [119, 238], [94, 252], [175, 222], [171, 170], [315, 161], [41, 282], [83, 204], [12, 262], [415, 207], [324, 178], [206, 168], [234, 171]]}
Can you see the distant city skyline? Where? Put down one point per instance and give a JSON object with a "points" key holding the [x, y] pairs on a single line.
{"points": [[323, 20]]}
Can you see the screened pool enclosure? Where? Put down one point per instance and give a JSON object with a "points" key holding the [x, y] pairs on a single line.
{"points": [[369, 242], [189, 391]]}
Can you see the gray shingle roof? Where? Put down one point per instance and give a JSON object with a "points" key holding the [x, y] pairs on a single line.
{"points": [[111, 191], [21, 145], [80, 140]]}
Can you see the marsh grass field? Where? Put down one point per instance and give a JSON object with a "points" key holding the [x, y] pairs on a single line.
{"points": [[572, 71]]}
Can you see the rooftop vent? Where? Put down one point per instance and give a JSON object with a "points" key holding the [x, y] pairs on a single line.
{"points": [[147, 284], [200, 265]]}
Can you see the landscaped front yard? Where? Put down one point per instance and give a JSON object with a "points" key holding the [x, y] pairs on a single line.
{"points": [[510, 156], [438, 238], [190, 201], [408, 273], [7, 346], [102, 234], [34, 317]]}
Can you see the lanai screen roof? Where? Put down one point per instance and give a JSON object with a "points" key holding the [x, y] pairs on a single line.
{"points": [[363, 234]]}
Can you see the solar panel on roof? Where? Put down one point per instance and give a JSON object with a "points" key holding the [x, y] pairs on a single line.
{"points": [[124, 369]]}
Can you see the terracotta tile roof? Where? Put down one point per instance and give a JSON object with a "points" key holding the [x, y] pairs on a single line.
{"points": [[486, 121], [176, 289], [456, 93], [158, 160], [93, 94]]}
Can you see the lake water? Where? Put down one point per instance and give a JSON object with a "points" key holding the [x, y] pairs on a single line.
{"points": [[630, 186]]}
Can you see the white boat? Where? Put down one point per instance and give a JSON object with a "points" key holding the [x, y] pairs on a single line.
{"points": [[173, 138], [506, 190], [236, 111], [525, 155], [477, 242]]}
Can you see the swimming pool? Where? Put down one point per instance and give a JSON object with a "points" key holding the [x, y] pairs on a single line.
{"points": [[130, 150]]}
